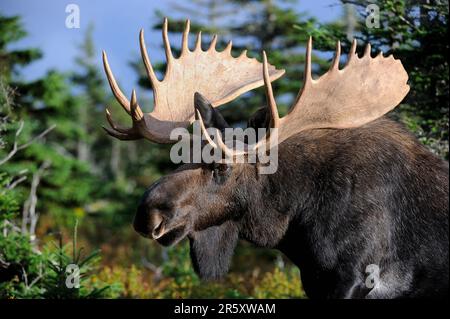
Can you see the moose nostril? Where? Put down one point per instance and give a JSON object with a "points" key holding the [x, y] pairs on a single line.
{"points": [[157, 222], [157, 230], [150, 223]]}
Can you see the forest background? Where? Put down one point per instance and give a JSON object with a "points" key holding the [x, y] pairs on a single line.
{"points": [[68, 191]]}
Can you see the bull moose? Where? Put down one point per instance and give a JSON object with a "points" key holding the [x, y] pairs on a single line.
{"points": [[353, 188]]}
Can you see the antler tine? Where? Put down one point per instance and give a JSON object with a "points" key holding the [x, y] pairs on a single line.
{"points": [[123, 133], [115, 127], [243, 54], [213, 43], [198, 42], [367, 50], [120, 132], [274, 118], [113, 84], [122, 136], [220, 144], [352, 52], [353, 47], [308, 77], [337, 57], [185, 39], [228, 47], [148, 66], [204, 131], [136, 111], [167, 47], [230, 152]]}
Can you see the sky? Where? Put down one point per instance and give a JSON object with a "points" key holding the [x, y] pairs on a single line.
{"points": [[117, 24]]}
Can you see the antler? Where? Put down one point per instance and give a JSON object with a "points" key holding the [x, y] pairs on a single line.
{"points": [[364, 90], [217, 75]]}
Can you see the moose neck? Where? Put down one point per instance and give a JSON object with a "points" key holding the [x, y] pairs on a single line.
{"points": [[279, 204], [273, 205]]}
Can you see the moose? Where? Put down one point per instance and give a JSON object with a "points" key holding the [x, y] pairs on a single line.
{"points": [[353, 188]]}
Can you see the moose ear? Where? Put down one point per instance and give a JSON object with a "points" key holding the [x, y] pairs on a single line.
{"points": [[212, 249], [260, 119], [211, 117]]}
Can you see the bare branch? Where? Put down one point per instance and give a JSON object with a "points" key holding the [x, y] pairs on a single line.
{"points": [[16, 182], [19, 178], [16, 148], [29, 214]]}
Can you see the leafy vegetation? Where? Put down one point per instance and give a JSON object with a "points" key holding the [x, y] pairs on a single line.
{"points": [[57, 167]]}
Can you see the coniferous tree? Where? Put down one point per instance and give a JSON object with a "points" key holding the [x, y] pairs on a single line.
{"points": [[90, 81], [41, 104], [37, 176]]}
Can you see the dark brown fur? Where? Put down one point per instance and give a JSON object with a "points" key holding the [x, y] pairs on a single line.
{"points": [[339, 201]]}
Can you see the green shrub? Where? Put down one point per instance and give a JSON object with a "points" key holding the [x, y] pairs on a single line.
{"points": [[280, 284]]}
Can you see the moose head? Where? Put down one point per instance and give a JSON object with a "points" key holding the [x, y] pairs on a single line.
{"points": [[332, 120]]}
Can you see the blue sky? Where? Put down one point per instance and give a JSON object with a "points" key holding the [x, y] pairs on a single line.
{"points": [[117, 24]]}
